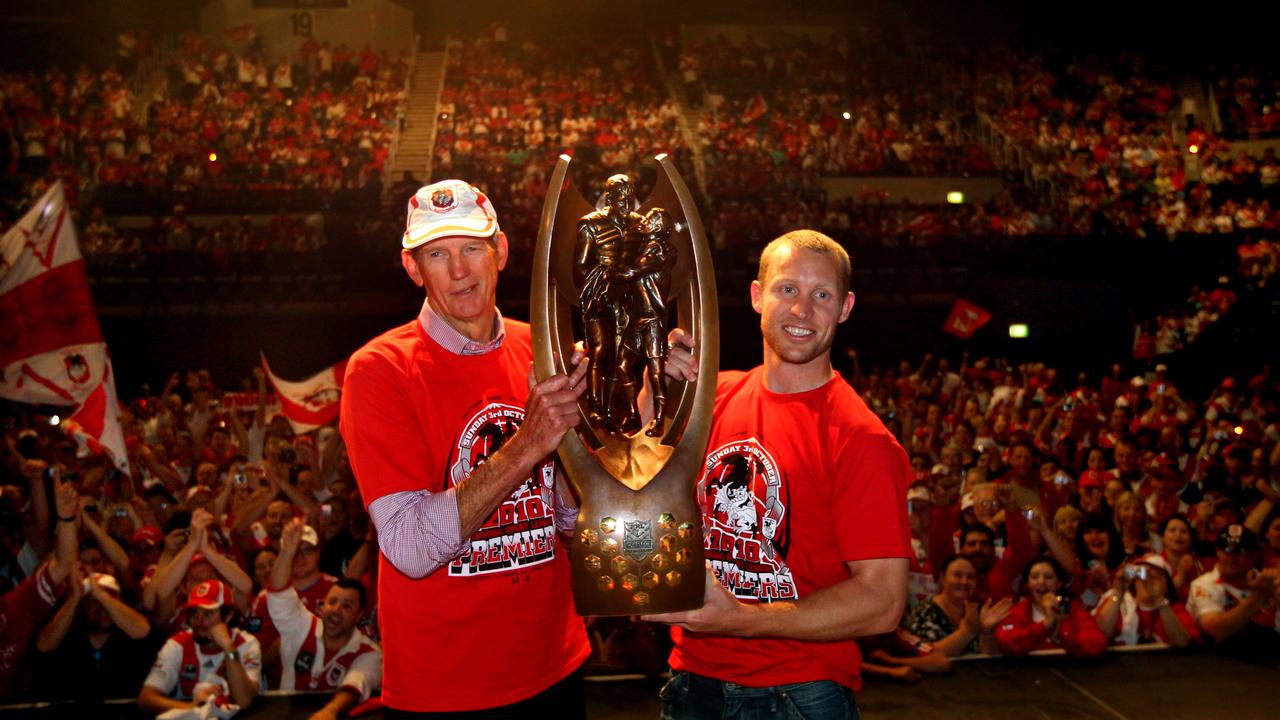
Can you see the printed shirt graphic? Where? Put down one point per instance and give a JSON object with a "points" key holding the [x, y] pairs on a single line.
{"points": [[746, 536], [418, 417], [521, 531], [794, 488]]}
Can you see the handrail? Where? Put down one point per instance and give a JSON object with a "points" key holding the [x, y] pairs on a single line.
{"points": [[400, 115], [435, 104]]}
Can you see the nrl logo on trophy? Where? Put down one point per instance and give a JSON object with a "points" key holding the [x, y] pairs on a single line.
{"points": [[625, 273]]}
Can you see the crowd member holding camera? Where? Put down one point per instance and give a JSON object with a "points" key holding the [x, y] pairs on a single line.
{"points": [[1143, 607], [1047, 617], [1099, 555]]}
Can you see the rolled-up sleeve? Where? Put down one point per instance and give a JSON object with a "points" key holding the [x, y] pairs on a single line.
{"points": [[418, 531], [566, 505], [365, 675]]}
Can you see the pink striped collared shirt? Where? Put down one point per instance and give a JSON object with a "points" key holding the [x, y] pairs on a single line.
{"points": [[419, 531]]}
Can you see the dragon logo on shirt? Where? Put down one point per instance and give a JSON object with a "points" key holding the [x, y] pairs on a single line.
{"points": [[521, 530], [743, 500]]}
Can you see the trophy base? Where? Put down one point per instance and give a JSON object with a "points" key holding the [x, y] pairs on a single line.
{"points": [[637, 562]]}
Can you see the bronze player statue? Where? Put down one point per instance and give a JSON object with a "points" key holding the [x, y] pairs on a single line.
{"points": [[628, 272], [597, 255], [647, 262]]}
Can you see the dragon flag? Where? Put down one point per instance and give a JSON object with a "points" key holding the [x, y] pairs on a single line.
{"points": [[310, 403], [51, 347]]}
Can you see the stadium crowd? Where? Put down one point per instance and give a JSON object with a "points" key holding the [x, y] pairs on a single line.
{"points": [[1246, 99], [509, 109], [1046, 513], [225, 122]]}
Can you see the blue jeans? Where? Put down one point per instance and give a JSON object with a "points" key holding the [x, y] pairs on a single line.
{"points": [[694, 697]]}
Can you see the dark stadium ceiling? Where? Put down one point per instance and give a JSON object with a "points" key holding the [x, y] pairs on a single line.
{"points": [[1092, 23]]}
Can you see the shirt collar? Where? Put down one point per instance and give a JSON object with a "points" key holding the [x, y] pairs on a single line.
{"points": [[438, 329]]}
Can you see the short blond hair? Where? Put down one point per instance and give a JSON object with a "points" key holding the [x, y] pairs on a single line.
{"points": [[807, 240]]}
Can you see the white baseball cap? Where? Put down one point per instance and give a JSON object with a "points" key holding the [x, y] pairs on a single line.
{"points": [[919, 492], [309, 535], [102, 580], [446, 208]]}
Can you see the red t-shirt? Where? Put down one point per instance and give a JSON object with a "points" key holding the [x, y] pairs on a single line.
{"points": [[497, 625], [794, 486]]}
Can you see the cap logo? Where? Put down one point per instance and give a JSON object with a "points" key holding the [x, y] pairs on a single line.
{"points": [[443, 200]]}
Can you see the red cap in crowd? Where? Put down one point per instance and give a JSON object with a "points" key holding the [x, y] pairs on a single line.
{"points": [[146, 533], [1092, 478], [210, 595]]}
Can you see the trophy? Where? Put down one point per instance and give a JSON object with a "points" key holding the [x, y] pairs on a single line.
{"points": [[622, 270]]}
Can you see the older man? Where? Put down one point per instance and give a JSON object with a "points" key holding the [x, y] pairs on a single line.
{"points": [[452, 450]]}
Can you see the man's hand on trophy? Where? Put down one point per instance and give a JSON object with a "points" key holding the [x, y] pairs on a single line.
{"points": [[721, 613], [550, 410], [682, 364]]}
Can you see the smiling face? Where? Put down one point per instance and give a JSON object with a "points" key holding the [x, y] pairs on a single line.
{"points": [[1098, 543], [1177, 536], [800, 303], [460, 275], [960, 579], [340, 611], [1042, 580]]}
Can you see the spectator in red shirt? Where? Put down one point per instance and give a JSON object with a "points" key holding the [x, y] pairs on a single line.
{"points": [[1048, 617], [1143, 607]]}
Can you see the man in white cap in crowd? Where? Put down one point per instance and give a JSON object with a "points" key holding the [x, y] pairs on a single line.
{"points": [[322, 649], [95, 637], [208, 660], [452, 449], [1234, 603], [311, 585]]}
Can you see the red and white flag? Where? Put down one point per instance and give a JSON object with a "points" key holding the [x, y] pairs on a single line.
{"points": [[965, 319], [51, 347], [313, 402], [755, 109], [96, 424], [239, 33]]}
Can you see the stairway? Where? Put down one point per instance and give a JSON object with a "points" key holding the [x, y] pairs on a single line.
{"points": [[152, 76], [688, 119], [1190, 85], [414, 148]]}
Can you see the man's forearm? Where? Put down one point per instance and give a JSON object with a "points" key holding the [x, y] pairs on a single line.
{"points": [[108, 545], [130, 621], [282, 570], [242, 688], [1222, 625], [489, 484], [231, 572], [848, 609], [343, 700], [56, 631], [152, 701], [1173, 629]]}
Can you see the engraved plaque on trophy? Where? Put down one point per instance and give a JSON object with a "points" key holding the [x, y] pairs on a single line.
{"points": [[627, 272]]}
